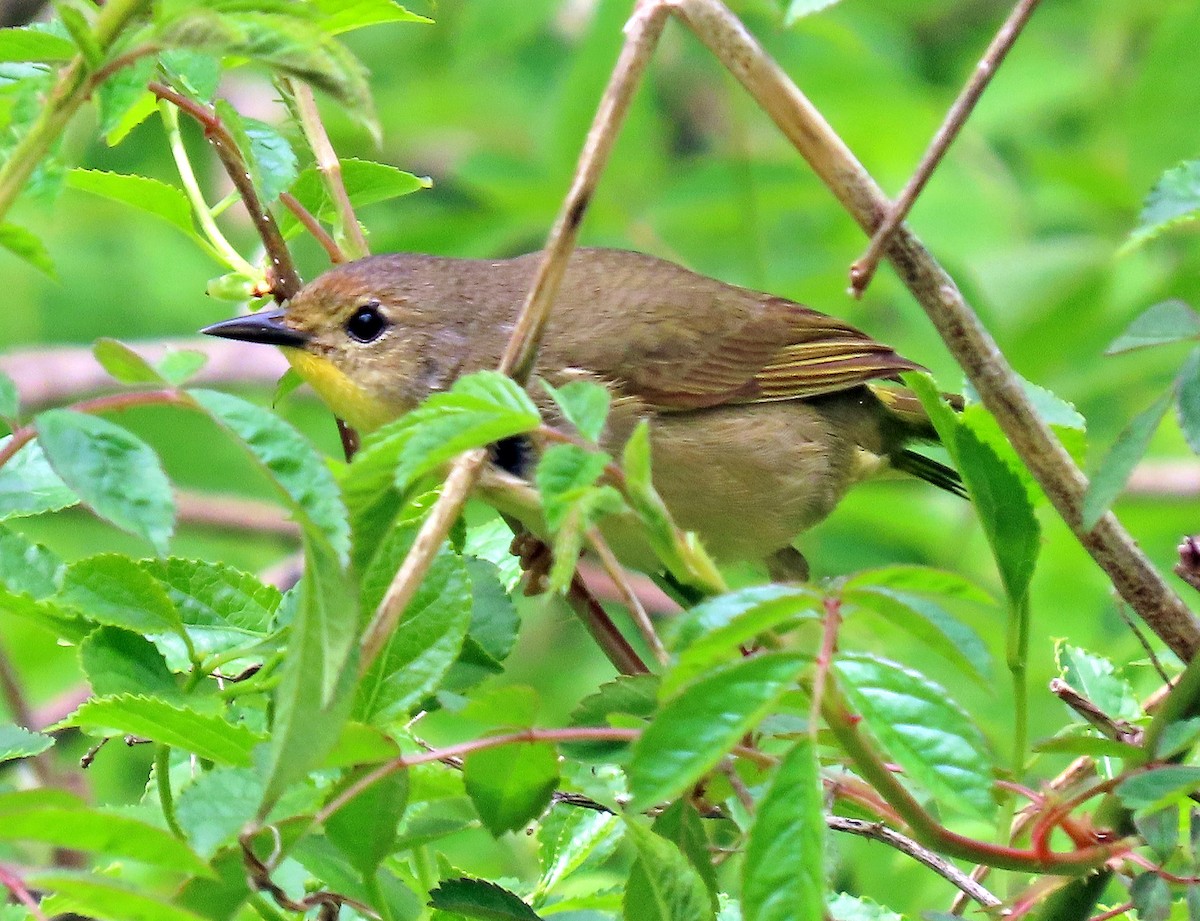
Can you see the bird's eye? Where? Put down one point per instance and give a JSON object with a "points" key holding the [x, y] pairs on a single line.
{"points": [[367, 323]]}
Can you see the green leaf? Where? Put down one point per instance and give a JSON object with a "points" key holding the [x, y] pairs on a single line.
{"points": [[671, 889], [922, 729], [627, 700], [366, 183], [365, 828], [177, 366], [428, 638], [1187, 400], [1174, 200], [150, 195], [477, 410], [568, 839], [584, 404], [124, 364], [112, 589], [699, 725], [29, 485], [18, 742], [10, 400], [1177, 738], [93, 830], [1159, 787], [196, 73], [28, 246], [217, 805], [1151, 897], [288, 382], [921, 579], [566, 474], [34, 45], [114, 472], [316, 687], [713, 631], [288, 45], [344, 15], [846, 907], [1110, 477], [272, 162], [1095, 746], [1094, 677], [121, 99], [511, 785], [209, 736], [492, 632], [289, 459], [1166, 321], [77, 20], [118, 661], [932, 624], [1160, 831], [783, 875], [103, 899], [478, 898], [28, 567]]}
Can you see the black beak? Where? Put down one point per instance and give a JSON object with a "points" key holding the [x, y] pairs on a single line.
{"points": [[264, 327]]}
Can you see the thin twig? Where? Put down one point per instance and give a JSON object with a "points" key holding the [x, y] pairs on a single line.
{"points": [[1117, 730], [623, 656], [1144, 643], [642, 33], [285, 280], [1002, 392], [626, 595], [21, 893], [313, 226], [829, 634], [877, 831], [329, 166], [863, 270]]}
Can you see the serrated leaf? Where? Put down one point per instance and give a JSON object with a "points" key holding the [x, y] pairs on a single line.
{"points": [[568, 839], [316, 686], [269, 156], [671, 889], [34, 45], [122, 93], [626, 700], [783, 874], [113, 471], [366, 183], [477, 410], [429, 637], [104, 899], [1110, 477], [699, 725], [584, 404], [28, 246], [565, 474], [1174, 200], [1151, 897], [112, 589], [217, 805], [150, 195], [142, 108], [19, 742], [177, 366], [1160, 831], [124, 364], [365, 829], [1187, 400], [492, 632], [93, 830], [343, 15], [1166, 321], [289, 459], [196, 73], [207, 735], [713, 631], [922, 729], [511, 784], [1158, 787], [118, 661], [478, 898], [29, 485], [27, 567], [932, 624], [1095, 678]]}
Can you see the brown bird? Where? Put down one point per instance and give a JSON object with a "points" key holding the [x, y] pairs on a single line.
{"points": [[762, 412]]}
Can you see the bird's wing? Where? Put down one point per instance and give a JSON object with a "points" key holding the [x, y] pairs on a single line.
{"points": [[784, 352]]}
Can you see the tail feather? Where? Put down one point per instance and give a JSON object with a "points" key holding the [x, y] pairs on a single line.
{"points": [[929, 470]]}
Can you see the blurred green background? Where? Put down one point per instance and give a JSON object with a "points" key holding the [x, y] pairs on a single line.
{"points": [[1028, 213]]}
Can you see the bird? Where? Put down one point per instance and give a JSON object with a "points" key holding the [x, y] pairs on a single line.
{"points": [[762, 412]]}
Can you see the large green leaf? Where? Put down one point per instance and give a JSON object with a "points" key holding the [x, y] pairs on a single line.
{"points": [[118, 661], [34, 45], [112, 589], [365, 829], [569, 838], [150, 195], [1166, 321], [114, 472], [671, 888], [922, 729], [29, 485], [699, 725], [477, 898], [93, 896], [366, 183], [344, 15], [783, 874], [1159, 787], [511, 784]]}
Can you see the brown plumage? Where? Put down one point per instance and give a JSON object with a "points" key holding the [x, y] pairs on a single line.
{"points": [[763, 412]]}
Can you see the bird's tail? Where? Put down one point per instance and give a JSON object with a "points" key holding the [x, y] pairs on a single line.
{"points": [[904, 405]]}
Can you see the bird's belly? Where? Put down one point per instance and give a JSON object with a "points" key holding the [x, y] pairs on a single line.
{"points": [[749, 481]]}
